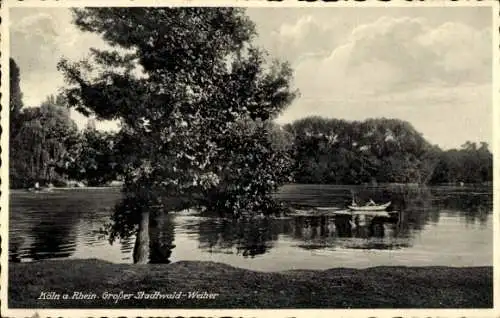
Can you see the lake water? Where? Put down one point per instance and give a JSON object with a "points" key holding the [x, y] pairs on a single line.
{"points": [[447, 226]]}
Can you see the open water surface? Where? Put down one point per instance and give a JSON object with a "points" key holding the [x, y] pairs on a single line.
{"points": [[449, 226]]}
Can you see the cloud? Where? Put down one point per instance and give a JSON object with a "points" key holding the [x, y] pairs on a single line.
{"points": [[398, 54], [415, 53], [462, 52], [306, 37], [38, 39], [35, 32], [391, 47], [404, 68]]}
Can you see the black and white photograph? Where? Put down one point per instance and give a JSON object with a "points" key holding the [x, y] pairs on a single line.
{"points": [[248, 156]]}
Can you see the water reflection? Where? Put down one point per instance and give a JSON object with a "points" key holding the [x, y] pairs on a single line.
{"points": [[62, 225], [145, 218], [56, 240], [250, 238], [247, 238], [413, 209], [52, 225], [161, 242], [473, 206]]}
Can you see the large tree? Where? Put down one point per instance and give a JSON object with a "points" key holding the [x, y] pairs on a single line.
{"points": [[15, 107], [44, 135], [15, 96], [194, 97], [343, 152]]}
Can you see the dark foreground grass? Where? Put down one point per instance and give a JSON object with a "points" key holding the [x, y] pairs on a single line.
{"points": [[378, 287]]}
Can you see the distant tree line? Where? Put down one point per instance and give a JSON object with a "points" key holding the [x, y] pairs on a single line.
{"points": [[334, 151], [47, 147], [471, 163]]}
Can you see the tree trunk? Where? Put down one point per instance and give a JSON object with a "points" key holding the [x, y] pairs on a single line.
{"points": [[141, 248]]}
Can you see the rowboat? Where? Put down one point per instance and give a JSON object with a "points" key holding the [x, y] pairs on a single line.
{"points": [[370, 207]]}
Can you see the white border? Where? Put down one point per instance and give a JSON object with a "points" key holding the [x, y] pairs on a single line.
{"points": [[4, 155], [4, 187], [246, 3], [496, 148]]}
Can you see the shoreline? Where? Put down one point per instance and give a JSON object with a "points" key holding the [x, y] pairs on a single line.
{"points": [[380, 185], [198, 284]]}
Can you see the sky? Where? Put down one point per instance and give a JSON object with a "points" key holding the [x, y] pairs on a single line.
{"points": [[429, 66]]}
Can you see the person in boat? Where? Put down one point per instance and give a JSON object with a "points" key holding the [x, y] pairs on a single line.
{"points": [[370, 203]]}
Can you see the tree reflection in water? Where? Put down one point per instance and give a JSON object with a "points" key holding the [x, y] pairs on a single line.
{"points": [[146, 217], [250, 238], [358, 231], [57, 241], [45, 234], [474, 206], [412, 209], [161, 232], [246, 237]]}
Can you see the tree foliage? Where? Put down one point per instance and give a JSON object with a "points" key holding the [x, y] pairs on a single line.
{"points": [[15, 107], [469, 164], [44, 135], [375, 150], [92, 159], [380, 150], [194, 96], [15, 96]]}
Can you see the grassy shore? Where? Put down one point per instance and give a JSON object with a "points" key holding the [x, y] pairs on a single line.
{"points": [[378, 287]]}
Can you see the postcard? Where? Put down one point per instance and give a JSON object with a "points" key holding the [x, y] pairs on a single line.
{"points": [[249, 158]]}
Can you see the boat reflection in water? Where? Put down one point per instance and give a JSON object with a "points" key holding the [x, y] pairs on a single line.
{"points": [[251, 238], [363, 225], [355, 230]]}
